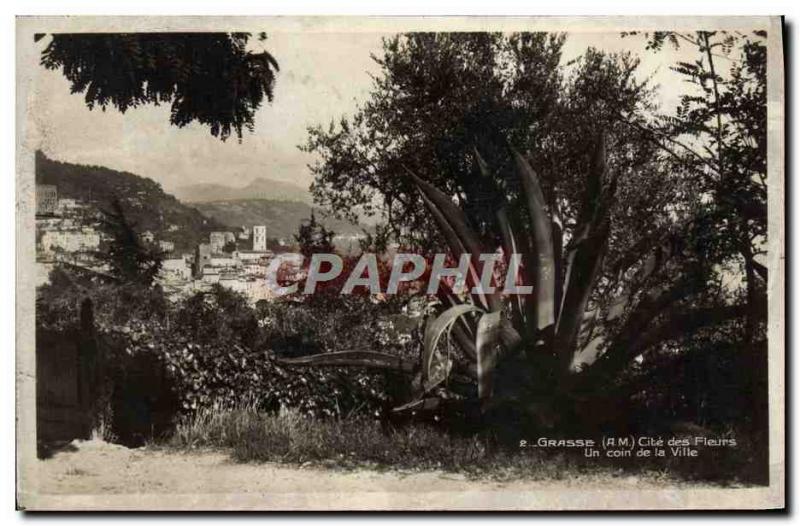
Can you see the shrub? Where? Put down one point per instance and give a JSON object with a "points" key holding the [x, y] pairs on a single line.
{"points": [[214, 350], [330, 322]]}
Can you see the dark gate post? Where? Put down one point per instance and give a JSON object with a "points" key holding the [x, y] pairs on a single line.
{"points": [[89, 378]]}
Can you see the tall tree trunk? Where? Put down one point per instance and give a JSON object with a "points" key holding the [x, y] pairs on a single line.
{"points": [[757, 363]]}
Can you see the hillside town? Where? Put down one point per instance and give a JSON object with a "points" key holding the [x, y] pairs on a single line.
{"points": [[68, 233]]}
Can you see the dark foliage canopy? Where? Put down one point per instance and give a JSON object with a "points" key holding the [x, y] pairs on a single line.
{"points": [[211, 78]]}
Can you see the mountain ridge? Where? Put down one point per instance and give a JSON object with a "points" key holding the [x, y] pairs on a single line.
{"points": [[261, 188], [281, 217]]}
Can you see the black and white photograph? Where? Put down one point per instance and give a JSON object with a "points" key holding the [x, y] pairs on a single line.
{"points": [[456, 263]]}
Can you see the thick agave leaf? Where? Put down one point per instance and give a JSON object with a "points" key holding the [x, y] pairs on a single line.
{"points": [[543, 271], [433, 333], [614, 310], [370, 359], [652, 254], [426, 405], [634, 255], [515, 241], [449, 299], [494, 337], [483, 167], [584, 265], [456, 247], [464, 341], [653, 263], [585, 262], [511, 246], [509, 336], [453, 216], [558, 259], [438, 373], [487, 343]]}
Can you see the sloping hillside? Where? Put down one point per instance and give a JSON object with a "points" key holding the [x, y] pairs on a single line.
{"points": [[149, 207], [282, 218]]}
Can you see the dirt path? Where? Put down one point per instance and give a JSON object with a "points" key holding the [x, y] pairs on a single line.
{"points": [[97, 473]]}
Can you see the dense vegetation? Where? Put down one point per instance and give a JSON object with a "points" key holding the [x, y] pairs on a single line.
{"points": [[631, 222], [213, 349]]}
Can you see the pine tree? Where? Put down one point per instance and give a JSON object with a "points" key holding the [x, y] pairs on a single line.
{"points": [[314, 238], [129, 260]]}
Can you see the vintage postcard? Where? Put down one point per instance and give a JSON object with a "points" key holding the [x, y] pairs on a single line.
{"points": [[454, 263]]}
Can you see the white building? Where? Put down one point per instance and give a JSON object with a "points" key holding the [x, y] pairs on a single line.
{"points": [[260, 238], [248, 256], [211, 275], [254, 269], [74, 240], [217, 242], [234, 283], [69, 206], [224, 261], [166, 246], [176, 269]]}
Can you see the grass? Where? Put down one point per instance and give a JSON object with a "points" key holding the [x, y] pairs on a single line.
{"points": [[290, 438]]}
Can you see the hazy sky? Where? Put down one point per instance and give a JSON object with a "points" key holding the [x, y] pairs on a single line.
{"points": [[323, 76]]}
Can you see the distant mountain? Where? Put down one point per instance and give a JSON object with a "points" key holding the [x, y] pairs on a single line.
{"points": [[258, 189], [282, 218], [144, 201]]}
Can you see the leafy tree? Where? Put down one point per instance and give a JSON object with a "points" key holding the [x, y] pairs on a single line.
{"points": [[376, 242], [129, 259], [719, 134], [439, 96], [314, 238], [718, 138], [211, 78], [609, 231], [448, 106]]}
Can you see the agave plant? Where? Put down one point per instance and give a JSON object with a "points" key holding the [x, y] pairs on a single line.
{"points": [[520, 350]]}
